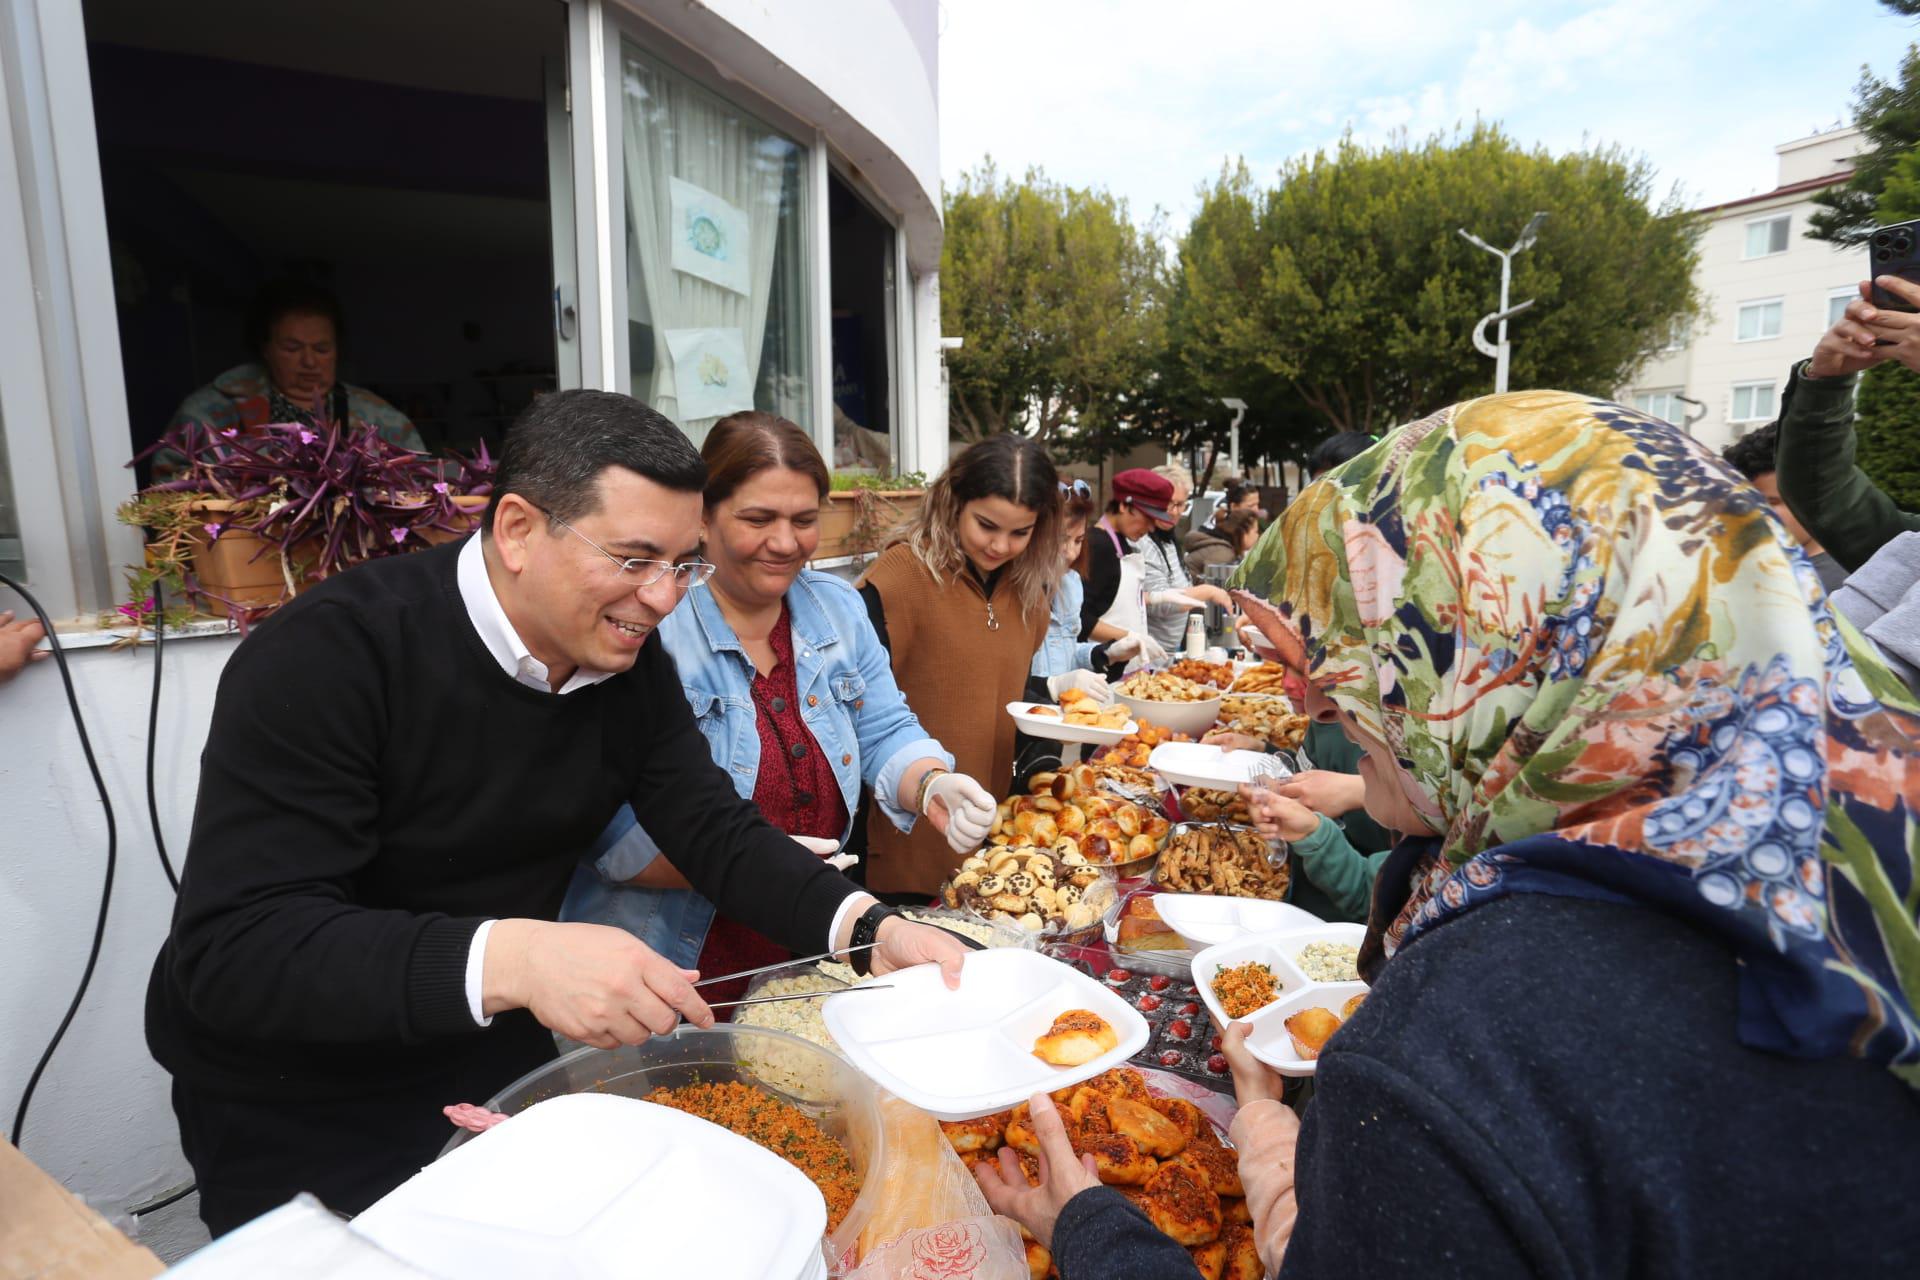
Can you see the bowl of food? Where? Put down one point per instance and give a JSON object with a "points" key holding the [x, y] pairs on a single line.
{"points": [[1073, 720], [1174, 702], [1055, 897], [1078, 810], [1295, 988], [829, 1128], [1215, 858]]}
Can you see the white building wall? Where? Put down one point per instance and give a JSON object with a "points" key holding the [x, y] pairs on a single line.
{"points": [[100, 1119], [1715, 361]]}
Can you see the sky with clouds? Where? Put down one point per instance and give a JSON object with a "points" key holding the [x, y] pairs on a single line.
{"points": [[1148, 98]]}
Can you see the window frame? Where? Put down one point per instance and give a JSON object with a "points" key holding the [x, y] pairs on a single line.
{"points": [[1747, 234], [1750, 304], [1733, 399], [1847, 294], [62, 383], [624, 25], [1671, 394]]}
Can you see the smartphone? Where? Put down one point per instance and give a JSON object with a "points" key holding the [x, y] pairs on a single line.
{"points": [[1894, 251]]}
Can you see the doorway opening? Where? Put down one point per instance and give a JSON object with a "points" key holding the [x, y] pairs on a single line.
{"points": [[861, 249], [393, 156]]}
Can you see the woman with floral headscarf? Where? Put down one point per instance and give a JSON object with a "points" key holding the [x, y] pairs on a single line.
{"points": [[1645, 959]]}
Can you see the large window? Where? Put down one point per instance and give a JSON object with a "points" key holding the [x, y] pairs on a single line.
{"points": [[1760, 319], [1665, 405], [717, 300], [1752, 402], [1768, 236]]}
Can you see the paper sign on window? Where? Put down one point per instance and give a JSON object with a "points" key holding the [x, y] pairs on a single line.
{"points": [[710, 373], [709, 237]]}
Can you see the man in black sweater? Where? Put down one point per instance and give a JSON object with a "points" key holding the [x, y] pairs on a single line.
{"points": [[403, 766]]}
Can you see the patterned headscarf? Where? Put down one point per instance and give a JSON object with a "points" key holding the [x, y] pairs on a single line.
{"points": [[1610, 675]]}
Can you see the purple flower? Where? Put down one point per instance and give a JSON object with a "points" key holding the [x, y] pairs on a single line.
{"points": [[231, 432], [399, 535], [213, 530], [439, 486], [307, 437]]}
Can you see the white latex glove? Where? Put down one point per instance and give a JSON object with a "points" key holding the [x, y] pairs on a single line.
{"points": [[970, 810], [1094, 686], [1176, 598], [1136, 644]]}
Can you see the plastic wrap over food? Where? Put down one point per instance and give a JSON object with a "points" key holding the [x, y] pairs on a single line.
{"points": [[933, 1220]]}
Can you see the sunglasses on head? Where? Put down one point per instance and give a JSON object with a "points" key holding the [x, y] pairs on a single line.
{"points": [[1078, 489]]}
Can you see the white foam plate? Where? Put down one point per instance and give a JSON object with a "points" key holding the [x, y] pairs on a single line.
{"points": [[1269, 1041], [1058, 730], [1207, 919], [1197, 764], [967, 1053], [566, 1187]]}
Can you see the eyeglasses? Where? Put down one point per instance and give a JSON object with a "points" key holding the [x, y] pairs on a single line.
{"points": [[644, 573], [1078, 489]]}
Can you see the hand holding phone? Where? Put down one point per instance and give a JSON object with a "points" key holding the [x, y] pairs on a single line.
{"points": [[1894, 250]]}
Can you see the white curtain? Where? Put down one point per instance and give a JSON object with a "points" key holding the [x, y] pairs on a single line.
{"points": [[674, 129]]}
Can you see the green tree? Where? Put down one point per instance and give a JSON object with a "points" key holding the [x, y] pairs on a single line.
{"points": [[1057, 296], [1344, 297], [1887, 412], [1885, 186]]}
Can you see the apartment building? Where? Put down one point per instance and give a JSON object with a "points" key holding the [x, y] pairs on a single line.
{"points": [[1770, 293]]}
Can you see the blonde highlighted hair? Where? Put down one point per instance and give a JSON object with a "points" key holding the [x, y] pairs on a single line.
{"points": [[1005, 466]]}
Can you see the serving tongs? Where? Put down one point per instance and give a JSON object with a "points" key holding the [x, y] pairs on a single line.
{"points": [[800, 995], [784, 964]]}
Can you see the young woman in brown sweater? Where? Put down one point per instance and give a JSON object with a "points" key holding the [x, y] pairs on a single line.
{"points": [[959, 597]]}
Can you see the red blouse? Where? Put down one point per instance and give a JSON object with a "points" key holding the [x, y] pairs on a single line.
{"points": [[795, 789]]}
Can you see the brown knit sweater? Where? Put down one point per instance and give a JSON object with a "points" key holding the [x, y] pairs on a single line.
{"points": [[958, 676]]}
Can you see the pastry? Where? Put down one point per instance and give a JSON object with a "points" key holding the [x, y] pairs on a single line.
{"points": [[1077, 1037]]}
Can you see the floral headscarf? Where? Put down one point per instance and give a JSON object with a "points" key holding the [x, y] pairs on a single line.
{"points": [[1610, 675]]}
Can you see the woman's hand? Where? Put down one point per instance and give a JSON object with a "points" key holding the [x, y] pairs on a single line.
{"points": [[1228, 740], [1278, 817], [1324, 791], [1062, 1176], [1253, 1080], [961, 810]]}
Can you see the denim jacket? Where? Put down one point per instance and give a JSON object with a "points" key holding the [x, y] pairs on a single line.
{"points": [[851, 705], [1063, 650]]}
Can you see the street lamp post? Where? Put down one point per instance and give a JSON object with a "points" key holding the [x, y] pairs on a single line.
{"points": [[1239, 408], [1500, 350]]}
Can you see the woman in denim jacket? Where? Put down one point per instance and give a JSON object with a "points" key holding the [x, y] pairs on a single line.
{"points": [[794, 693]]}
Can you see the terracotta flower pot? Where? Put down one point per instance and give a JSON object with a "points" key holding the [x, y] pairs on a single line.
{"points": [[472, 507], [842, 531], [237, 570]]}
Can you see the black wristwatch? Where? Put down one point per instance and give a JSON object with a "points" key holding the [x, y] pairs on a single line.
{"points": [[865, 930]]}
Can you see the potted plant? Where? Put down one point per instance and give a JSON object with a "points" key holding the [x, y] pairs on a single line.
{"points": [[863, 507], [248, 516]]}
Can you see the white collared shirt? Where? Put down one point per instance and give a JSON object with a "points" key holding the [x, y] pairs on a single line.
{"points": [[497, 633]]}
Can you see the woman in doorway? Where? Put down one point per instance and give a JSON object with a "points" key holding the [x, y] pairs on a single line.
{"points": [[793, 693], [295, 331], [960, 597]]}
